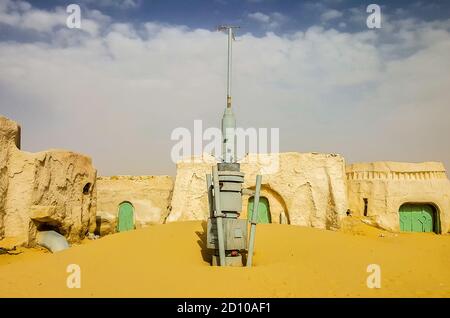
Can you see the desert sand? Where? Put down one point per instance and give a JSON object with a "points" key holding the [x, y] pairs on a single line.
{"points": [[290, 261]]}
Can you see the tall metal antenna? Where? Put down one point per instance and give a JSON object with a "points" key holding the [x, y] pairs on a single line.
{"points": [[228, 119], [226, 233], [229, 29]]}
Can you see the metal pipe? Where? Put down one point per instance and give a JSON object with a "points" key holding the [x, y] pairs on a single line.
{"points": [[230, 41], [218, 215], [253, 221], [228, 136], [208, 187], [228, 119]]}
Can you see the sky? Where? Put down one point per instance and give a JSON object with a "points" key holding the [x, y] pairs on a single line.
{"points": [[116, 88]]}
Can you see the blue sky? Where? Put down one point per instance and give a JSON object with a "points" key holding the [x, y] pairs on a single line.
{"points": [[137, 70], [207, 13]]}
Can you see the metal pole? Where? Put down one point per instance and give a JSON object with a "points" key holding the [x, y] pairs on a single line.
{"points": [[208, 187], [219, 223], [230, 41], [253, 221], [228, 119]]}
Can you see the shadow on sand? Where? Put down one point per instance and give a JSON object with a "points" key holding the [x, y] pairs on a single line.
{"points": [[206, 253]]}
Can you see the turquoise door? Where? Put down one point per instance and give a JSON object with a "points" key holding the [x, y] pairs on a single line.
{"points": [[263, 210], [126, 219], [416, 218]]}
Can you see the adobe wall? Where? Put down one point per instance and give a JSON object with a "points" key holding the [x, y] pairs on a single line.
{"points": [[389, 185], [308, 189], [149, 195], [53, 189]]}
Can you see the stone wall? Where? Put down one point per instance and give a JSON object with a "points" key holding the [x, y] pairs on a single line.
{"points": [[306, 189], [388, 185], [8, 141], [50, 190], [149, 195]]}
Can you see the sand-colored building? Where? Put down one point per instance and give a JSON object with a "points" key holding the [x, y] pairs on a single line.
{"points": [[129, 202], [301, 189], [59, 190], [306, 189], [49, 190], [400, 196]]}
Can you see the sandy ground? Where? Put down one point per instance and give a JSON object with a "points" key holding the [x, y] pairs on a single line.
{"points": [[290, 261]]}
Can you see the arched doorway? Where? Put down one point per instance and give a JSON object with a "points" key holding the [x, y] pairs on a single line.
{"points": [[126, 219], [415, 217], [263, 210]]}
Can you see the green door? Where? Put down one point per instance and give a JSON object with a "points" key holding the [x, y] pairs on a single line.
{"points": [[263, 210], [126, 222], [416, 218]]}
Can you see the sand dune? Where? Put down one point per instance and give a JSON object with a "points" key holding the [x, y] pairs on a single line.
{"points": [[169, 261]]}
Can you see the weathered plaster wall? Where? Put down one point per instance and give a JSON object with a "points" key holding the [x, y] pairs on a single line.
{"points": [[149, 195], [54, 189], [388, 185], [309, 189], [9, 131]]}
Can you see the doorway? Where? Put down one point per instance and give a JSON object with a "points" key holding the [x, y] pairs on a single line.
{"points": [[418, 218], [263, 210], [126, 217]]}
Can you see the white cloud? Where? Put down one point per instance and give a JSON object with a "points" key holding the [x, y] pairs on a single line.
{"points": [[22, 16], [117, 94], [359, 15], [330, 14], [121, 4], [14, 5], [270, 22], [259, 17], [41, 20], [31, 19]]}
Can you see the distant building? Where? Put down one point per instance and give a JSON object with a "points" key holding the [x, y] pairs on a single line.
{"points": [[398, 196], [59, 190]]}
